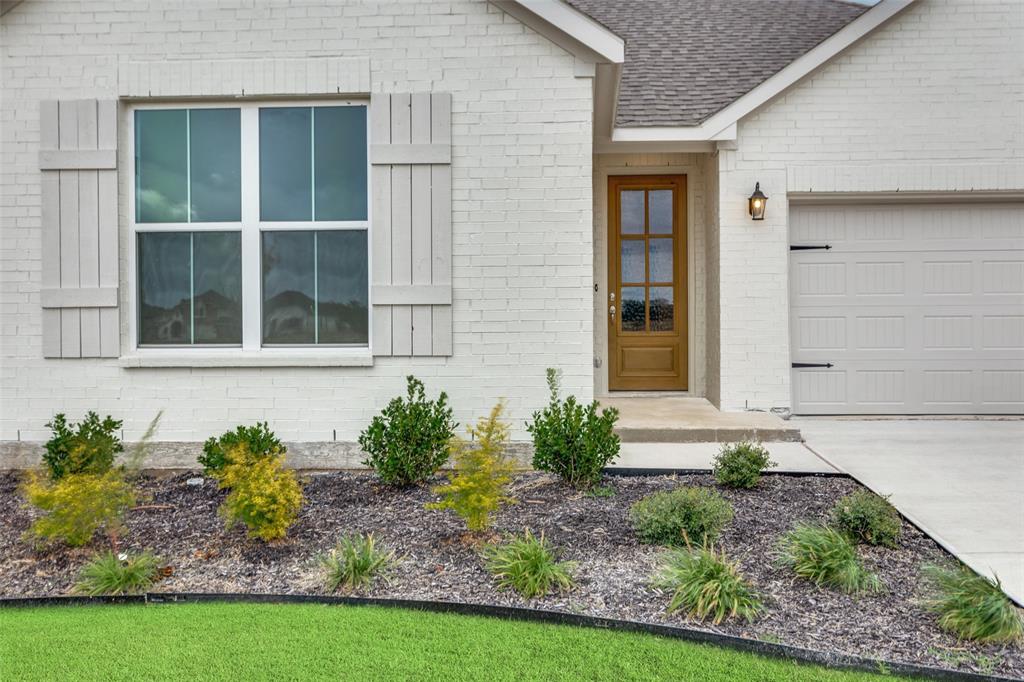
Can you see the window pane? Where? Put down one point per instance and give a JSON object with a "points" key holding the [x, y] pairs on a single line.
{"points": [[632, 309], [342, 284], [215, 164], [632, 211], [632, 260], [288, 288], [661, 259], [217, 273], [339, 156], [662, 309], [285, 164], [161, 168], [660, 209], [164, 288]]}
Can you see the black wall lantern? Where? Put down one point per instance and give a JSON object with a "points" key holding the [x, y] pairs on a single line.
{"points": [[757, 202]]}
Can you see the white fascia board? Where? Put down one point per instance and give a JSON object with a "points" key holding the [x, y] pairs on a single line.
{"points": [[722, 125], [581, 30]]}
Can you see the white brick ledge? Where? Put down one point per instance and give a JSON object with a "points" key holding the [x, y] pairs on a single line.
{"points": [[237, 358], [243, 77]]}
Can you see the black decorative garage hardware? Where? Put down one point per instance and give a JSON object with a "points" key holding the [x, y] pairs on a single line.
{"points": [[805, 365], [810, 247]]}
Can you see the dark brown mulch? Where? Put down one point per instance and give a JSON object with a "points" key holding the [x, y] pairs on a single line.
{"points": [[612, 573]]}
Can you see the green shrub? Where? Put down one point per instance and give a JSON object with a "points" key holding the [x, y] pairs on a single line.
{"points": [[707, 585], [827, 558], [110, 574], [77, 505], [408, 442], [354, 562], [88, 448], [571, 440], [675, 517], [259, 440], [530, 566], [971, 606], [739, 465], [482, 472], [263, 495], [867, 518]]}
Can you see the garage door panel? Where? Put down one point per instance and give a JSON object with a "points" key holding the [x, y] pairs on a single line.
{"points": [[919, 309]]}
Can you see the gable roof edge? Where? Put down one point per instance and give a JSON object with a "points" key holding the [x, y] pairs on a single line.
{"points": [[722, 124], [567, 27]]}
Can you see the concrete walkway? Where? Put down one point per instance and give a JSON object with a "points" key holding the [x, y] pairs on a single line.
{"points": [[789, 457], [962, 481]]}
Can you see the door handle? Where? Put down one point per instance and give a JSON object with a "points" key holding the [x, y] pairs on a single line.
{"points": [[611, 311]]}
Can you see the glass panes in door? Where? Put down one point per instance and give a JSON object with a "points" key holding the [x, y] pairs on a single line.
{"points": [[647, 267]]}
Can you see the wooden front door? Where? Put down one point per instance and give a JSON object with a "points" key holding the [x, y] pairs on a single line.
{"points": [[647, 283]]}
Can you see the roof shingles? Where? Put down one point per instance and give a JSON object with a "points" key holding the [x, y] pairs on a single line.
{"points": [[688, 59]]}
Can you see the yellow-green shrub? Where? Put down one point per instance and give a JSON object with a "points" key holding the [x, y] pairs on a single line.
{"points": [[263, 495], [482, 471], [78, 505]]}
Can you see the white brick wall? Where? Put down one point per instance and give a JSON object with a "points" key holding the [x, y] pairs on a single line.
{"points": [[522, 198], [932, 101]]}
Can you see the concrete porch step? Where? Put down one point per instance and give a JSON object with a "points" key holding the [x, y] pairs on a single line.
{"points": [[706, 435], [682, 419]]}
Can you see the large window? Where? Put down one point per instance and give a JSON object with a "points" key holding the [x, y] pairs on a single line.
{"points": [[251, 225]]}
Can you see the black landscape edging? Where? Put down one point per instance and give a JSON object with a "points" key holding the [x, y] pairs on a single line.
{"points": [[769, 649], [648, 471]]}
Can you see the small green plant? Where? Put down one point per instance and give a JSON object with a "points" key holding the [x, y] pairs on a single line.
{"points": [[263, 495], [408, 442], [259, 440], [110, 574], [957, 658], [88, 448], [671, 516], [571, 440], [482, 472], [530, 566], [601, 492], [867, 518], [354, 562], [739, 465], [826, 557], [76, 506], [972, 606], [707, 585]]}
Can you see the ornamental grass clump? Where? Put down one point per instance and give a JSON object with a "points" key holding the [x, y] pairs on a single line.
{"points": [[111, 574], [740, 465], [354, 562], [78, 505], [670, 517], [827, 558], [86, 448], [867, 518], [971, 606], [707, 585], [573, 441], [263, 495], [476, 489], [530, 566], [258, 439], [408, 441]]}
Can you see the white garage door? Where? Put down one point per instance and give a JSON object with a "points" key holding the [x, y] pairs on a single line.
{"points": [[918, 308]]}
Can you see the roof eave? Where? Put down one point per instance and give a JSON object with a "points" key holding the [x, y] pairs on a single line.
{"points": [[568, 28]]}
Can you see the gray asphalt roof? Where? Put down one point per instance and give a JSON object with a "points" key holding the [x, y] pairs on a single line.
{"points": [[688, 59]]}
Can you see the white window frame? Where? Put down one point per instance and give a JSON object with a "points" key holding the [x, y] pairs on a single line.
{"points": [[251, 228]]}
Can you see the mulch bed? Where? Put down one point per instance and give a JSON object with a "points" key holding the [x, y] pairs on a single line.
{"points": [[181, 525]]}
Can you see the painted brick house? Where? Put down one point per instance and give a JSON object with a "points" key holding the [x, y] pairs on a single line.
{"points": [[236, 211]]}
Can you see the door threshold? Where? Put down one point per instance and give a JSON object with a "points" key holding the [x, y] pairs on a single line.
{"points": [[648, 394]]}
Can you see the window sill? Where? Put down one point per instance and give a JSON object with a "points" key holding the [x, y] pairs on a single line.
{"points": [[238, 358]]}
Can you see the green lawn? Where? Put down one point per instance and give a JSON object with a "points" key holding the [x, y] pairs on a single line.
{"points": [[308, 641]]}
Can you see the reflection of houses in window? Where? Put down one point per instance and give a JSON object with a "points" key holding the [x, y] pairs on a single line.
{"points": [[217, 319], [165, 325], [289, 317]]}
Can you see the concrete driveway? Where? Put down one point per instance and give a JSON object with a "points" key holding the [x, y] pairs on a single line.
{"points": [[962, 481]]}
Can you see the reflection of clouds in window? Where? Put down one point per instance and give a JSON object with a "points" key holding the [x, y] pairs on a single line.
{"points": [[153, 204]]}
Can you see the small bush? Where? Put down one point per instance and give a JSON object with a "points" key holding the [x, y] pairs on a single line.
{"points": [[971, 606], [674, 517], [530, 566], [408, 442], [571, 440], [827, 558], [867, 518], [707, 585], [482, 472], [88, 448], [263, 495], [78, 505], [259, 440], [354, 562], [110, 574], [740, 465]]}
